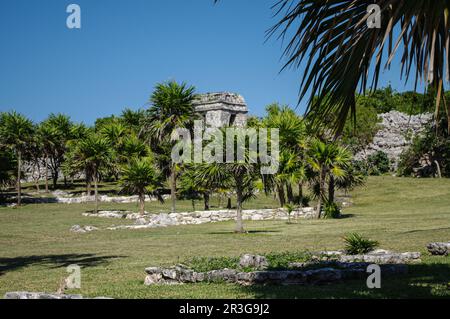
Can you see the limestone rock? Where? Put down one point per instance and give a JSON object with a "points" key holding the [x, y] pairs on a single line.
{"points": [[253, 261], [394, 136], [44, 295], [82, 229], [439, 249]]}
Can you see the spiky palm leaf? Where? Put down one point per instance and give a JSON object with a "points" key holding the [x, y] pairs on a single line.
{"points": [[341, 54]]}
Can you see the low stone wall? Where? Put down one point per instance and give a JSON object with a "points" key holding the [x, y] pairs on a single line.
{"points": [[439, 249], [379, 256], [62, 197], [43, 295], [200, 217], [325, 272]]}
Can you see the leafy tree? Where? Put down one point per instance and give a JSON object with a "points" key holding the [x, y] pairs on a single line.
{"points": [[292, 134], [327, 160], [15, 134], [240, 175], [429, 154], [132, 119], [91, 155], [140, 177], [357, 135], [8, 169], [171, 109], [56, 130]]}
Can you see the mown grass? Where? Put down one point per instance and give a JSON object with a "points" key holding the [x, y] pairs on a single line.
{"points": [[402, 214]]}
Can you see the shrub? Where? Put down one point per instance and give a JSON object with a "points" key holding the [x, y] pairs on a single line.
{"points": [[277, 261], [378, 163], [289, 208], [283, 259], [205, 264], [331, 211], [356, 244], [304, 201]]}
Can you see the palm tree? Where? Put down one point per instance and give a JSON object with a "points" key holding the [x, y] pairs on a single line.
{"points": [[327, 160], [57, 129], [132, 119], [15, 133], [91, 155], [45, 136], [140, 177], [341, 52], [239, 175], [292, 133], [171, 108]]}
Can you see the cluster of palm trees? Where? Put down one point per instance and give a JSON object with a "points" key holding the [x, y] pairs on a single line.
{"points": [[135, 148]]}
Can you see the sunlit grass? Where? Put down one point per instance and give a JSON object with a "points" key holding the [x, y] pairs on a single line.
{"points": [[401, 214]]}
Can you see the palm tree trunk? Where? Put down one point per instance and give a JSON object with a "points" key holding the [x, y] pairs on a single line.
{"points": [[206, 200], [46, 174], [142, 204], [55, 179], [95, 191], [290, 193], [300, 191], [331, 189], [321, 193], [173, 188], [281, 195], [229, 203], [19, 185], [239, 224]]}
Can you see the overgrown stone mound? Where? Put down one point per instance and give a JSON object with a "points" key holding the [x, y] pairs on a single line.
{"points": [[322, 268], [439, 249]]}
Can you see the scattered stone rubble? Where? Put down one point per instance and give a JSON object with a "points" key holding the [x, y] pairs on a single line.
{"points": [[82, 229], [327, 267], [439, 249], [43, 295], [199, 217]]}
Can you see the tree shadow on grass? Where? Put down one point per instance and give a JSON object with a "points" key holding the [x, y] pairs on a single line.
{"points": [[422, 281], [54, 261]]}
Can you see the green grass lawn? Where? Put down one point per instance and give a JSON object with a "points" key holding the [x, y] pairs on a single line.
{"points": [[402, 214]]}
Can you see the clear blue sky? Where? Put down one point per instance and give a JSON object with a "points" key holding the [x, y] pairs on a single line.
{"points": [[126, 46]]}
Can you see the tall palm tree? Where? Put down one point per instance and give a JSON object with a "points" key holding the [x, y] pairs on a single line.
{"points": [[241, 175], [91, 155], [327, 160], [292, 133], [171, 108], [140, 177], [58, 129], [15, 133], [341, 52]]}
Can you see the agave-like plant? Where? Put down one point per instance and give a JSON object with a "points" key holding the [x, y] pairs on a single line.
{"points": [[342, 53]]}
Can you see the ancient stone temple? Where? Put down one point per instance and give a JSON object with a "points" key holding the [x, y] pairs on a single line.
{"points": [[222, 109]]}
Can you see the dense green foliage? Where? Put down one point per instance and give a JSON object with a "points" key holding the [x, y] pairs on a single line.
{"points": [[429, 154], [357, 244]]}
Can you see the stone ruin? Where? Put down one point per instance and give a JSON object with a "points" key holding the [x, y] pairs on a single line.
{"points": [[395, 135], [222, 109], [324, 268]]}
